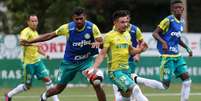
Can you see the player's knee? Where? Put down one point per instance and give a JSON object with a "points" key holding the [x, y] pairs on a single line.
{"points": [[184, 76], [166, 84]]}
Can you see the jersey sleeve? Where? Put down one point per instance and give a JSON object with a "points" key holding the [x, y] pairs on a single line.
{"points": [[96, 31], [62, 30], [164, 24], [24, 35], [139, 35]]}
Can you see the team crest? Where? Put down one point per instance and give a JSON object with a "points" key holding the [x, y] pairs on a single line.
{"points": [[87, 36]]}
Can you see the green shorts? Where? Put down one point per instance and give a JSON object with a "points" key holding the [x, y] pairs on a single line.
{"points": [[68, 70], [122, 78], [37, 69], [170, 66]]}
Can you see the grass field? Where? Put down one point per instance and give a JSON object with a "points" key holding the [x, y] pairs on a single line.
{"points": [[87, 94]]}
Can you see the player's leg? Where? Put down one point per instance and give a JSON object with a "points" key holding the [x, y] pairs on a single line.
{"points": [[95, 80], [166, 71], [117, 94], [182, 72], [124, 83], [149, 83], [137, 94], [66, 74], [28, 72], [43, 74]]}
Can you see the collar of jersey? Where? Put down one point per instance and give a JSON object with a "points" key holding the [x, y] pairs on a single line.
{"points": [[178, 21]]}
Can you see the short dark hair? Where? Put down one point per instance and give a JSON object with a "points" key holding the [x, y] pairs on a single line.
{"points": [[78, 11], [120, 13], [29, 15], [175, 1]]}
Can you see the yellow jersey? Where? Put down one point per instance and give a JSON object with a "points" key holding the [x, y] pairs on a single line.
{"points": [[30, 53], [118, 50]]}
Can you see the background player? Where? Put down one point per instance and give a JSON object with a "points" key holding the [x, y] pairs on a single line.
{"points": [[32, 64]]}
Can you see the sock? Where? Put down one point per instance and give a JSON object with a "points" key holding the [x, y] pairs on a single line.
{"points": [[117, 94], [137, 94], [20, 88], [150, 83], [185, 90], [44, 97], [48, 86], [125, 98]]}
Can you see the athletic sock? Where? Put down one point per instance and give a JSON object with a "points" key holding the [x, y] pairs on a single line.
{"points": [[185, 90], [20, 88]]}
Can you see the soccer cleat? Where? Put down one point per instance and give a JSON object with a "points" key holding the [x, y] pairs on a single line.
{"points": [[7, 98]]}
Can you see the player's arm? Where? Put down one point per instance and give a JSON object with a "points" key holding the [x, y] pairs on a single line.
{"points": [[62, 30], [140, 40], [99, 59], [41, 38], [98, 38], [188, 49], [163, 26], [138, 50]]}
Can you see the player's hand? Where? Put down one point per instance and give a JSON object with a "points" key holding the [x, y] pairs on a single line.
{"points": [[136, 58], [164, 47], [143, 46], [90, 73], [25, 42], [95, 44]]}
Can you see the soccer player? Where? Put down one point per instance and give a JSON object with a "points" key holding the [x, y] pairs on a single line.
{"points": [[83, 40], [117, 45], [32, 64], [137, 40], [168, 36]]}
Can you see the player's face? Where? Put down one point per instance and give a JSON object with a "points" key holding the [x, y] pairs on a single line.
{"points": [[33, 22], [121, 24], [177, 9], [79, 20]]}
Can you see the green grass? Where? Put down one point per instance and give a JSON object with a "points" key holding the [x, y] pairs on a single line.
{"points": [[88, 94]]}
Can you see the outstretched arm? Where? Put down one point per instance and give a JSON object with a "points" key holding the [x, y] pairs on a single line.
{"points": [[140, 43], [100, 58], [132, 50], [41, 38]]}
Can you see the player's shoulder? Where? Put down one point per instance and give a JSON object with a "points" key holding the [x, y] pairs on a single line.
{"points": [[25, 30], [168, 19]]}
